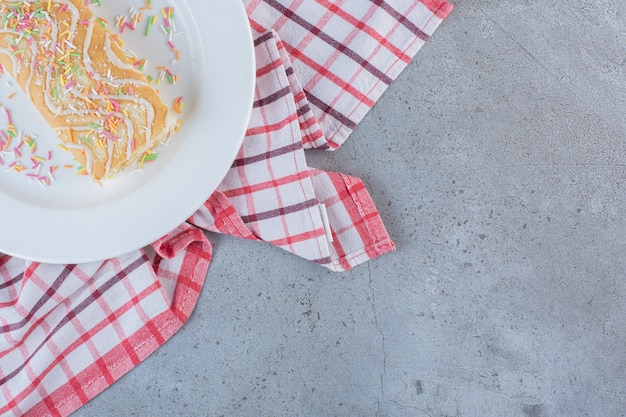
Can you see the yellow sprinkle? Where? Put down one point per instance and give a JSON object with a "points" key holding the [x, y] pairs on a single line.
{"points": [[117, 40]]}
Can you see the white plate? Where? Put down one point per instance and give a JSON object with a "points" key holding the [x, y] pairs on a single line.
{"points": [[74, 220]]}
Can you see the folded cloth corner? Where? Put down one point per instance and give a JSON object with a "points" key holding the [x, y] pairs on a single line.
{"points": [[271, 194]]}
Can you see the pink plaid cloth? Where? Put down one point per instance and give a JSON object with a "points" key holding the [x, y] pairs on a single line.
{"points": [[70, 331]]}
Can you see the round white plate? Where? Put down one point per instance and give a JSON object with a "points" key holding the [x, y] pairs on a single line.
{"points": [[75, 220]]}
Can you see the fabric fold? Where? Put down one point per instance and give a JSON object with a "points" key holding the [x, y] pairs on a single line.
{"points": [[357, 231], [69, 331], [346, 53], [269, 193]]}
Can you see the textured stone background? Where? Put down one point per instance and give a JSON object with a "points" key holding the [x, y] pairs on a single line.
{"points": [[498, 163]]}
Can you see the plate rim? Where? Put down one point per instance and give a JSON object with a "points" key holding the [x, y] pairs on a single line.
{"points": [[46, 249]]}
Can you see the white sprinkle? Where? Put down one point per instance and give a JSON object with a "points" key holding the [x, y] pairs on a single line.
{"points": [[70, 44]]}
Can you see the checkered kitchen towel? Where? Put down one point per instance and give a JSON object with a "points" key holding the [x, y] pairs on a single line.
{"points": [[69, 331]]}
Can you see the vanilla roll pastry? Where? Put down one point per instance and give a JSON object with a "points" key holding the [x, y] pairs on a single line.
{"points": [[83, 82]]}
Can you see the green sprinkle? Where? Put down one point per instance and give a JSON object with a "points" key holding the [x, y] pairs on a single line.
{"points": [[150, 157], [151, 20]]}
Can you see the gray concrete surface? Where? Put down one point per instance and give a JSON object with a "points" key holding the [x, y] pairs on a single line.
{"points": [[498, 162]]}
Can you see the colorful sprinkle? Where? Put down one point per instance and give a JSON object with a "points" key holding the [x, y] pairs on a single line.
{"points": [[21, 158], [151, 21], [178, 105]]}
